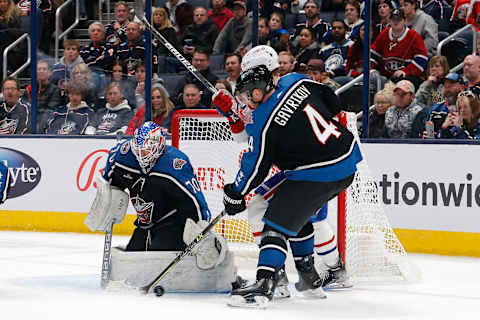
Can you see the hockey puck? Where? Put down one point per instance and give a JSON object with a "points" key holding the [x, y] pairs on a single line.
{"points": [[159, 291]]}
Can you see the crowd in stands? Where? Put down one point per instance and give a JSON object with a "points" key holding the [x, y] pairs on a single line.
{"points": [[99, 87]]}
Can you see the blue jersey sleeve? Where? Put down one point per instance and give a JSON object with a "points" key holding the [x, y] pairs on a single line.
{"points": [[4, 182]]}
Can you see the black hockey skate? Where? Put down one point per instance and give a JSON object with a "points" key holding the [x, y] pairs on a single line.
{"points": [[257, 295], [337, 278], [281, 290], [309, 282]]}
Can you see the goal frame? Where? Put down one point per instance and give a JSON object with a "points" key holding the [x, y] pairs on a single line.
{"points": [[211, 113]]}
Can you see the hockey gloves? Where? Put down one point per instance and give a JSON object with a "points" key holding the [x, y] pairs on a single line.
{"points": [[234, 203], [224, 102]]}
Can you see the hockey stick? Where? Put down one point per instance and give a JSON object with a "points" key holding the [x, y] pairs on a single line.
{"points": [[139, 13], [107, 250], [154, 284]]}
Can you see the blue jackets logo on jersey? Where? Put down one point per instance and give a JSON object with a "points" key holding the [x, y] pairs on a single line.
{"points": [[178, 163], [125, 147], [144, 209], [25, 173]]}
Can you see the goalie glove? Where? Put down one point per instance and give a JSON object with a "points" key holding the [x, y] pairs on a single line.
{"points": [[224, 102], [234, 202]]}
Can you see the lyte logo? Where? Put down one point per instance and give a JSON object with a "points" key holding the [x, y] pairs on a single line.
{"points": [[25, 173]]}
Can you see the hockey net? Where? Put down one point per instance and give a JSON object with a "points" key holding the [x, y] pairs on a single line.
{"points": [[365, 239]]}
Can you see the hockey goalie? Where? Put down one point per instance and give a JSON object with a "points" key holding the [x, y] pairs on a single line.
{"points": [[171, 212]]}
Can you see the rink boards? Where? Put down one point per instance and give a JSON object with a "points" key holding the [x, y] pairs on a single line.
{"points": [[431, 192]]}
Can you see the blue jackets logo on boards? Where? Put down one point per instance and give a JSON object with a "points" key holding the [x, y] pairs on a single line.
{"points": [[25, 173]]}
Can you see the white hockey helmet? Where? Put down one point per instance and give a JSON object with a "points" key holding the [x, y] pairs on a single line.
{"points": [[260, 55]]}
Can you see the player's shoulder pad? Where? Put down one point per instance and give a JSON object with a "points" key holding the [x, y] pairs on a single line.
{"points": [[173, 161], [122, 153], [288, 80]]}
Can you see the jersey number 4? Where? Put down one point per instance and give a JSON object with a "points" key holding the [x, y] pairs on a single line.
{"points": [[322, 128]]}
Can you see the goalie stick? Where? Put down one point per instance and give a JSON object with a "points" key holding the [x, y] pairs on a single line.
{"points": [[107, 250], [152, 285]]}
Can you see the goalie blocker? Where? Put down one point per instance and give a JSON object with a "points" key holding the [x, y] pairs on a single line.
{"points": [[171, 212]]}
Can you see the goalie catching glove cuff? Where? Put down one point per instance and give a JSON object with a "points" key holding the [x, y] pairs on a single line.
{"points": [[234, 203], [224, 102]]}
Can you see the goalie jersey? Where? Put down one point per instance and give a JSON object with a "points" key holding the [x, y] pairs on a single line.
{"points": [[169, 191], [295, 130]]}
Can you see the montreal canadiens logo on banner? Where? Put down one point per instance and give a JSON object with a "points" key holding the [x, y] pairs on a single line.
{"points": [[94, 162], [25, 172]]}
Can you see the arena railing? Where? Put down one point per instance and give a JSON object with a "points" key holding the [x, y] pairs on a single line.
{"points": [[10, 47], [453, 35], [59, 35]]}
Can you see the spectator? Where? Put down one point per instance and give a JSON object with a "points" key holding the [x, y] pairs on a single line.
{"points": [[202, 33], [48, 96], [384, 9], [14, 113], [376, 117], [61, 71], [278, 33], [421, 22], [191, 99], [399, 117], [172, 6], [140, 76], [453, 84], [237, 33], [286, 62], [316, 71], [114, 118], [431, 90], [439, 10], [162, 107], [473, 15], [224, 84], [98, 55], [306, 49], [161, 22], [399, 52], [120, 75], [201, 61], [354, 62], [116, 32], [297, 5], [352, 18], [233, 68], [464, 123], [90, 94], [219, 13], [335, 54], [471, 71], [73, 118], [312, 13], [133, 50], [263, 36]]}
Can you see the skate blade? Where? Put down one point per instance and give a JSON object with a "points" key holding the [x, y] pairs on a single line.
{"points": [[281, 293], [317, 293], [344, 285], [257, 302]]}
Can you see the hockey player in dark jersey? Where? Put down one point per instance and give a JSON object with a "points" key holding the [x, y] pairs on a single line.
{"points": [[290, 123], [170, 207], [4, 182]]}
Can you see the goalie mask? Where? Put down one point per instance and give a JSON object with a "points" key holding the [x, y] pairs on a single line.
{"points": [[148, 145]]}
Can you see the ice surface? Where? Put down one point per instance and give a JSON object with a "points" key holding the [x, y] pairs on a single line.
{"points": [[47, 276]]}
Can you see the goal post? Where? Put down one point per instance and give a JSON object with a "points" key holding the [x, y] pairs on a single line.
{"points": [[365, 239]]}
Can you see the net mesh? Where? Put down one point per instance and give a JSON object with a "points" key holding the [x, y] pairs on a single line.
{"points": [[372, 250]]}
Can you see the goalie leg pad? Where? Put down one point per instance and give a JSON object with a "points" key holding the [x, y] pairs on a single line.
{"points": [[325, 243], [110, 204], [138, 268], [211, 251]]}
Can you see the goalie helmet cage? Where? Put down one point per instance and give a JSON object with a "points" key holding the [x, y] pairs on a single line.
{"points": [[370, 248]]}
